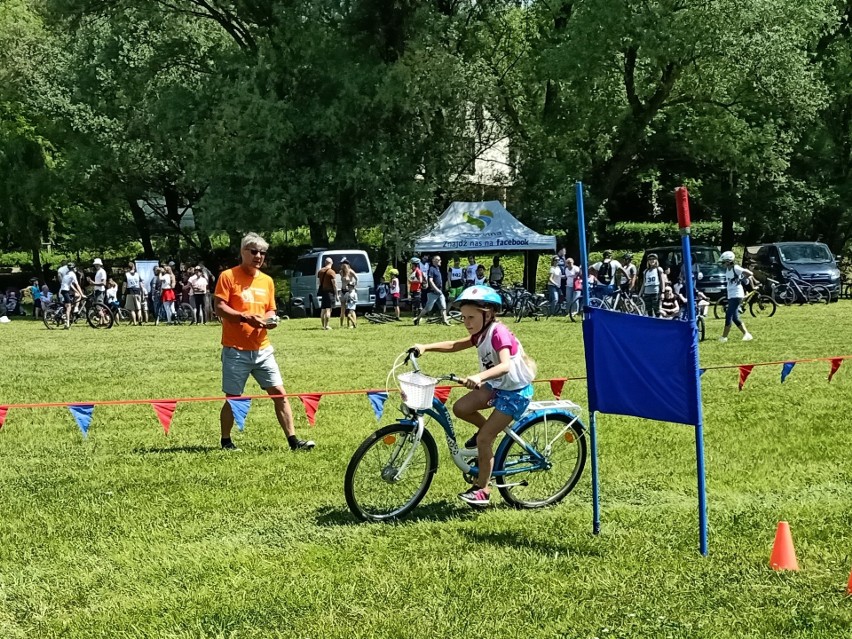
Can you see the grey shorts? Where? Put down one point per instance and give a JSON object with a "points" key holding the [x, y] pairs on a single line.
{"points": [[133, 302], [237, 365]]}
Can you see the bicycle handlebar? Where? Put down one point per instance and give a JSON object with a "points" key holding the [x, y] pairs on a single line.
{"points": [[411, 356]]}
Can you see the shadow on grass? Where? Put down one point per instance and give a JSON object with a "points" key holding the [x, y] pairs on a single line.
{"points": [[521, 541], [175, 449], [436, 511]]}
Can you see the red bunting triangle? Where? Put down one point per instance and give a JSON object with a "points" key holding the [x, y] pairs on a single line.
{"points": [[311, 403], [3, 411], [745, 371], [556, 386], [443, 393], [165, 411], [835, 364]]}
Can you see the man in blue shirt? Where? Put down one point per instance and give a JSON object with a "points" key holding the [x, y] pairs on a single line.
{"points": [[434, 291]]}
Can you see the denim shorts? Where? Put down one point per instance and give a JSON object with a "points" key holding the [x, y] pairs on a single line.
{"points": [[512, 402], [237, 365]]}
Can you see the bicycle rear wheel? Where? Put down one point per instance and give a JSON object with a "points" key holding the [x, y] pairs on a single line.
{"points": [[819, 295], [720, 308], [533, 484], [702, 328], [99, 316], [784, 294], [762, 306], [53, 318], [374, 488], [122, 317]]}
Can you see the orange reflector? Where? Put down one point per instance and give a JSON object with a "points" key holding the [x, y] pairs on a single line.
{"points": [[569, 437], [390, 440]]}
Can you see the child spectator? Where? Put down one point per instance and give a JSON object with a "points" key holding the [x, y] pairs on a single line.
{"points": [[394, 291]]}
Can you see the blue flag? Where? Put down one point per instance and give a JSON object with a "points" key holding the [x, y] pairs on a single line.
{"points": [[701, 371], [786, 370], [240, 408], [83, 416], [641, 366], [377, 400]]}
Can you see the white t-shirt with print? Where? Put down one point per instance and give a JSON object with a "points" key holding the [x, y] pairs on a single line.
{"points": [[571, 273], [68, 281], [555, 278], [733, 281], [100, 279], [652, 281]]}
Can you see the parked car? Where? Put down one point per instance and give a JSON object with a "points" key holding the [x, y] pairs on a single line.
{"points": [[303, 282], [705, 262], [813, 262]]}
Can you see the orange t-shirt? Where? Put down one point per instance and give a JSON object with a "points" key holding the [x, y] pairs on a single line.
{"points": [[250, 295]]}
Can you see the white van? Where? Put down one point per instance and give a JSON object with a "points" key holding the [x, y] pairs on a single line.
{"points": [[304, 284]]}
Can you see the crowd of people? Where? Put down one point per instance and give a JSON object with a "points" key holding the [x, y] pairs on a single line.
{"points": [[147, 298]]}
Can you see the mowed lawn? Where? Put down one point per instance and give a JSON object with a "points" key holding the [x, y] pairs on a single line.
{"points": [[134, 534]]}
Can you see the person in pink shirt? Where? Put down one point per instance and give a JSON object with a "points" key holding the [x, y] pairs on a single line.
{"points": [[504, 380]]}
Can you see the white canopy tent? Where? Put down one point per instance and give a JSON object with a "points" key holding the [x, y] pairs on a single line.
{"points": [[481, 227]]}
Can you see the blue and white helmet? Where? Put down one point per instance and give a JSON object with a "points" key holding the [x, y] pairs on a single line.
{"points": [[484, 295]]}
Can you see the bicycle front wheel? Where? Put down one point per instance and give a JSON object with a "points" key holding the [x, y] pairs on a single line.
{"points": [[531, 483], [819, 294], [762, 306], [53, 318], [377, 487], [99, 316]]}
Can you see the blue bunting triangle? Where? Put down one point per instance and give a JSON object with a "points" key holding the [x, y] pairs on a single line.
{"points": [[701, 371], [786, 370], [377, 401], [240, 408], [82, 414]]}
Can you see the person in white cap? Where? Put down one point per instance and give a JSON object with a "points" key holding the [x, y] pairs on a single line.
{"points": [[100, 281]]}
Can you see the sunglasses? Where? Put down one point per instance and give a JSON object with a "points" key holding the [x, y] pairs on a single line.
{"points": [[256, 251]]}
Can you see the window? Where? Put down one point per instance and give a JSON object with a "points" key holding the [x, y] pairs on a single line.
{"points": [[358, 262], [305, 266]]}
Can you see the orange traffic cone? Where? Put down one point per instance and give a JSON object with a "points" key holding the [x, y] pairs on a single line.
{"points": [[783, 555]]}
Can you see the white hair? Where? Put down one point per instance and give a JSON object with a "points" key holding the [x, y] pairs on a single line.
{"points": [[254, 240]]}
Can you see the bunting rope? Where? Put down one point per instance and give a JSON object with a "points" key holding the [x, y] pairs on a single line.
{"points": [[165, 408]]}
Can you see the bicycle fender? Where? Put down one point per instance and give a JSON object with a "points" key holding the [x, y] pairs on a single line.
{"points": [[526, 418]]}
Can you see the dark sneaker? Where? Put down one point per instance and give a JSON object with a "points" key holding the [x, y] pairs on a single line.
{"points": [[229, 445], [471, 443], [475, 496], [303, 444], [416, 321]]}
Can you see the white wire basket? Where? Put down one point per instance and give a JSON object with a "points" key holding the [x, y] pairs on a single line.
{"points": [[417, 389]]}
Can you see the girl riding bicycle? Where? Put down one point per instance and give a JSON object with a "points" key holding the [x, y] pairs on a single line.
{"points": [[504, 381]]}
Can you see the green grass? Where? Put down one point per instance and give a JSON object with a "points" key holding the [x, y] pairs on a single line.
{"points": [[133, 534]]}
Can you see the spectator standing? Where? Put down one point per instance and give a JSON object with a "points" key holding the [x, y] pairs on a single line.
{"points": [[382, 295], [100, 281], [327, 291], [470, 270], [734, 277], [606, 271], [35, 292], [245, 302], [133, 293], [480, 280], [435, 295], [495, 273], [415, 284], [198, 282], [425, 263], [572, 274], [554, 284], [157, 294], [652, 283], [69, 289], [456, 279], [394, 291], [211, 282], [112, 294], [563, 283], [627, 277], [349, 294], [167, 284]]}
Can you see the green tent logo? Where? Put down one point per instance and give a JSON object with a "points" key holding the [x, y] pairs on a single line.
{"points": [[480, 219]]}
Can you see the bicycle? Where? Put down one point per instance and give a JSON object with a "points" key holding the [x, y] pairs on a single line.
{"points": [[380, 318], [97, 314], [796, 289], [759, 304], [391, 471], [529, 304], [452, 315]]}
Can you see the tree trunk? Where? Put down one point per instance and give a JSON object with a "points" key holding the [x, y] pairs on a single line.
{"points": [[142, 227], [530, 270], [344, 220], [729, 211], [37, 260], [319, 234]]}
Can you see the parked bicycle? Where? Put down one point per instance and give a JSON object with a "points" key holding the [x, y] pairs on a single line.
{"points": [[538, 462], [529, 304], [797, 289]]}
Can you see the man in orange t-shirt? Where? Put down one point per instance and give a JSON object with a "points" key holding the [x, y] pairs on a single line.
{"points": [[245, 301]]}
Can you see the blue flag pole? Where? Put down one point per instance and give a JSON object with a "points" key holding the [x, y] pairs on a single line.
{"points": [[682, 199], [593, 431]]}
